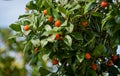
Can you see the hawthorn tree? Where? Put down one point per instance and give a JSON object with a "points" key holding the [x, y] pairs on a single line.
{"points": [[79, 37]]}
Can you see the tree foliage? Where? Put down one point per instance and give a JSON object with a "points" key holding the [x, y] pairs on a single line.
{"points": [[85, 27]]}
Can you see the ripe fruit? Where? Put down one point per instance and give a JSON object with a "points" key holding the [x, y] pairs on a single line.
{"points": [[45, 12], [114, 57], [104, 4], [87, 56], [54, 61], [57, 36], [94, 66], [84, 23], [50, 19], [109, 63], [57, 23], [26, 28]]}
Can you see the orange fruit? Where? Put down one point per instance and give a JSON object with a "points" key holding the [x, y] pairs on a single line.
{"points": [[26, 28], [50, 18], [54, 61], [87, 56], [84, 23], [114, 57], [57, 23], [57, 36], [104, 4], [45, 12], [94, 66], [110, 63]]}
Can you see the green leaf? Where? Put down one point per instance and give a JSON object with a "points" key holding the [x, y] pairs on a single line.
{"points": [[92, 72], [31, 5], [23, 16], [43, 42], [51, 38], [99, 50], [77, 35], [70, 28], [27, 47], [96, 14], [62, 9], [68, 40], [46, 33], [48, 27], [15, 27], [89, 6], [35, 42], [43, 71], [80, 57], [55, 13], [117, 19]]}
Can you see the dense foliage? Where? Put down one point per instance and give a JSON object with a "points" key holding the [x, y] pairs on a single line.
{"points": [[79, 37]]}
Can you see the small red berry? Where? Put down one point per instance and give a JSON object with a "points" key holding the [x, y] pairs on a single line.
{"points": [[94, 66], [110, 63], [57, 36], [57, 23], [114, 57], [45, 12], [26, 28], [54, 61], [87, 56], [104, 4], [50, 18]]}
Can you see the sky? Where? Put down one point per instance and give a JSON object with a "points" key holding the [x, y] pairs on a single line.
{"points": [[10, 11]]}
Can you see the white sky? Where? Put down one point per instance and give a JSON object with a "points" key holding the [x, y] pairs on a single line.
{"points": [[10, 11]]}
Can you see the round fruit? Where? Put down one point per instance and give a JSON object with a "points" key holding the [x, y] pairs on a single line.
{"points": [[94, 66], [109, 63], [104, 4], [54, 61], [114, 57], [84, 23], [87, 56], [57, 36], [45, 12], [57, 23], [50, 19], [26, 28]]}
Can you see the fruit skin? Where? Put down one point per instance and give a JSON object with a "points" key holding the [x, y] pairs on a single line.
{"points": [[50, 18], [104, 4], [110, 63], [57, 23], [57, 36], [54, 61], [84, 23], [45, 12], [87, 56], [114, 57], [94, 66], [26, 28]]}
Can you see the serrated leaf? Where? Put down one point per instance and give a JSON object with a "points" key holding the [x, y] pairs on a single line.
{"points": [[15, 27], [68, 40], [43, 42]]}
